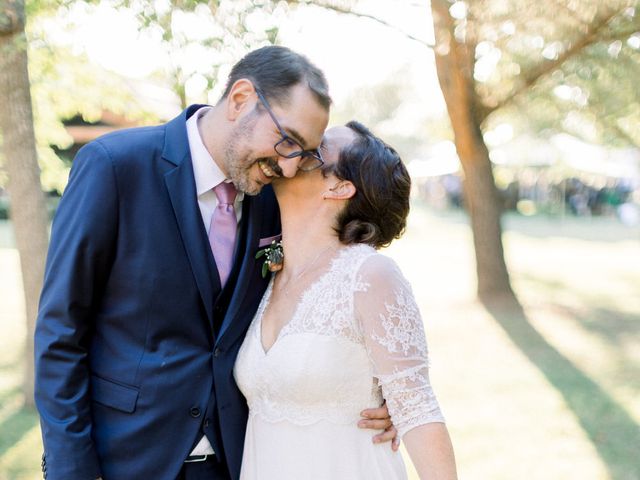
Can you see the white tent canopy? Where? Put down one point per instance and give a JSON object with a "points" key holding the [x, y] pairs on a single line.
{"points": [[525, 150]]}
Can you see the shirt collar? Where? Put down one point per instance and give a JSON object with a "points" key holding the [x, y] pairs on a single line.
{"points": [[206, 171]]}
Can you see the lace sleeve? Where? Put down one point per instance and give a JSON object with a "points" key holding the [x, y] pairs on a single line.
{"points": [[394, 336]]}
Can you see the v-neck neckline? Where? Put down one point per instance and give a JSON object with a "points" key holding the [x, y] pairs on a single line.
{"points": [[296, 309]]}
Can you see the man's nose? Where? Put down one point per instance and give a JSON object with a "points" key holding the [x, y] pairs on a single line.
{"points": [[289, 166]]}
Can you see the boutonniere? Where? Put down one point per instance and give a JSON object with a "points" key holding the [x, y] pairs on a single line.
{"points": [[274, 257]]}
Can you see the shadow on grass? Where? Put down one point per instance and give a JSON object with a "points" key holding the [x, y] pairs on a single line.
{"points": [[613, 432], [15, 427], [11, 388], [8, 394], [613, 326], [19, 422], [8, 366]]}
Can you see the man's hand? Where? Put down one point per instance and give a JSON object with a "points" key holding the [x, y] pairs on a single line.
{"points": [[379, 419]]}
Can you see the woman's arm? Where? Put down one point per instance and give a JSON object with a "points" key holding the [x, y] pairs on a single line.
{"points": [[394, 336], [431, 452]]}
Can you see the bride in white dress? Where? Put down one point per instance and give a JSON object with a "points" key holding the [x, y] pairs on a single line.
{"points": [[338, 329]]}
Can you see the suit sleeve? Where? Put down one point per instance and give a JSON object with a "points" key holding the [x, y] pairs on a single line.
{"points": [[81, 252]]}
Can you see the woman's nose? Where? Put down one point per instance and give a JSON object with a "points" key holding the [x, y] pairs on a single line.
{"points": [[289, 166]]}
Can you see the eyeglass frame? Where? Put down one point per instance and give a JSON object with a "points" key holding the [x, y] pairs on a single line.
{"points": [[315, 153]]}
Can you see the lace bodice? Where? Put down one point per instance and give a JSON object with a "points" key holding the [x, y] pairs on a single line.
{"points": [[356, 336]]}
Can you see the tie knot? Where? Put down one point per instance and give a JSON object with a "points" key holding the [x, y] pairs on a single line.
{"points": [[226, 193]]}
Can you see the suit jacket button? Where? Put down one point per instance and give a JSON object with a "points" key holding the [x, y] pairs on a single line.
{"points": [[206, 423], [217, 352], [194, 412]]}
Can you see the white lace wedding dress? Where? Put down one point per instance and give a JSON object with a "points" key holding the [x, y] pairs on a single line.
{"points": [[356, 336]]}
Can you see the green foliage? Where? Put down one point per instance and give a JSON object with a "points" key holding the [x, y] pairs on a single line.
{"points": [[274, 257], [227, 30], [587, 50], [65, 84]]}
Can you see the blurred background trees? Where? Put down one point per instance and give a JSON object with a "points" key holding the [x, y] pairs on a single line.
{"points": [[547, 63]]}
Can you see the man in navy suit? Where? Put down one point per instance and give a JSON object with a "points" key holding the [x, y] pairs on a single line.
{"points": [[142, 315]]}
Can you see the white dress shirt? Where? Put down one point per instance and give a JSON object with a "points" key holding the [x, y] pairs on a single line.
{"points": [[206, 172], [207, 175]]}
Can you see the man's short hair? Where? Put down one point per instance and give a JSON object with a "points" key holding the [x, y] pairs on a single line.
{"points": [[274, 70]]}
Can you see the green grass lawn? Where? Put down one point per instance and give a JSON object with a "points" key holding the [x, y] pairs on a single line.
{"points": [[550, 393]]}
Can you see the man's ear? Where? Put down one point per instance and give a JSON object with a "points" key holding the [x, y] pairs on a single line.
{"points": [[241, 98], [343, 190]]}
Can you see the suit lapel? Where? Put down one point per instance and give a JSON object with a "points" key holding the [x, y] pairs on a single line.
{"points": [[181, 186]]}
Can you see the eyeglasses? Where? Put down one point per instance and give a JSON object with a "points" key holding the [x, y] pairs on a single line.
{"points": [[288, 147]]}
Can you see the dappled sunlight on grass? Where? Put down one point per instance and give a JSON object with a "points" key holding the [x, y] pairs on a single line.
{"points": [[20, 442], [555, 401], [507, 421], [22, 460], [584, 297]]}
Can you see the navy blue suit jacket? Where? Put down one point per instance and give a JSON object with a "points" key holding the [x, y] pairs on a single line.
{"points": [[135, 343]]}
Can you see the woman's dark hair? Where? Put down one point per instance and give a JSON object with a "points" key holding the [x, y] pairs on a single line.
{"points": [[275, 70], [377, 213]]}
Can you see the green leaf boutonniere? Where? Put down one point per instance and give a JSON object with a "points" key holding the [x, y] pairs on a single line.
{"points": [[274, 258]]}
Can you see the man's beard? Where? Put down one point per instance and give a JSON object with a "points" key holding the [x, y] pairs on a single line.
{"points": [[237, 159]]}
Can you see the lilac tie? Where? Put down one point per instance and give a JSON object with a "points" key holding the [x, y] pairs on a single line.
{"points": [[222, 232]]}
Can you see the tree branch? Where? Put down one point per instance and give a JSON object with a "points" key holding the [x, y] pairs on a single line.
{"points": [[348, 11], [530, 78], [620, 131], [610, 119], [572, 14], [622, 34]]}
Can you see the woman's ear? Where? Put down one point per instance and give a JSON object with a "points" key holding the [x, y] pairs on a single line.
{"points": [[343, 190], [240, 99]]}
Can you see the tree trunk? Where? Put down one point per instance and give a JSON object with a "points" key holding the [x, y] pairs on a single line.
{"points": [[454, 64], [28, 210]]}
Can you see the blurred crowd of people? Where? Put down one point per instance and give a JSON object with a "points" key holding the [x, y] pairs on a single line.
{"points": [[532, 192]]}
